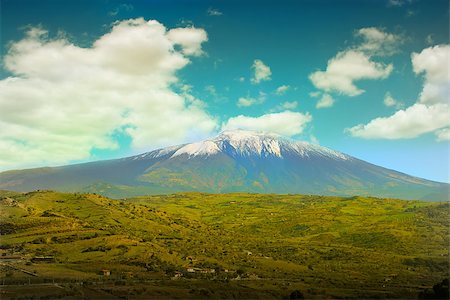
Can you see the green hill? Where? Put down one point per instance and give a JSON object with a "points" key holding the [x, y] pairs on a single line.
{"points": [[220, 246]]}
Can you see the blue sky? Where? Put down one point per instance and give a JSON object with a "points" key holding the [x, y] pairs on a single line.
{"points": [[88, 80]]}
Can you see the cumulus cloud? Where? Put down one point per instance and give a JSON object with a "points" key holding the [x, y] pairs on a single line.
{"points": [[214, 12], [282, 89], [377, 41], [325, 101], [245, 102], [190, 39], [315, 94], [429, 39], [356, 63], [63, 100], [262, 72], [432, 110], [443, 134], [433, 63], [287, 105], [390, 101], [286, 123], [345, 68], [121, 8], [409, 123], [249, 101]]}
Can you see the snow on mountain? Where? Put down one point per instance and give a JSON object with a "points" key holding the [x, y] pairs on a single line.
{"points": [[250, 143], [155, 153], [200, 148]]}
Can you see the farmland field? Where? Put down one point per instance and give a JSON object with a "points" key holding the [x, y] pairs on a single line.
{"points": [[195, 245]]}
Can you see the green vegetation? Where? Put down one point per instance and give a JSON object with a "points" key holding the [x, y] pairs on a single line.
{"points": [[195, 245]]}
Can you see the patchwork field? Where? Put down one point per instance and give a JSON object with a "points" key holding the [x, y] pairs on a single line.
{"points": [[194, 245]]}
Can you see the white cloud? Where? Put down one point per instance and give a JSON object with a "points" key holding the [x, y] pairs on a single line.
{"points": [[315, 94], [211, 90], [430, 113], [356, 62], [347, 67], [285, 123], [190, 39], [282, 89], [378, 42], [215, 96], [121, 8], [409, 123], [313, 139], [434, 62], [443, 134], [249, 101], [429, 39], [262, 72], [325, 101], [214, 12], [289, 105], [390, 101], [185, 88], [63, 101], [245, 102]]}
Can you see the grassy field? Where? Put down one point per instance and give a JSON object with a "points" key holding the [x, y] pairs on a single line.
{"points": [[195, 245]]}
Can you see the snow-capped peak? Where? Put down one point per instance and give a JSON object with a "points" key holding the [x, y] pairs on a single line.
{"points": [[248, 143], [199, 148]]}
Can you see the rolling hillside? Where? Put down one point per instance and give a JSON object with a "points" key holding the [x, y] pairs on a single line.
{"points": [[259, 246]]}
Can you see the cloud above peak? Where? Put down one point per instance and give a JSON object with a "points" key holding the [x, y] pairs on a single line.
{"points": [[356, 63], [286, 123], [432, 110], [63, 101], [347, 67]]}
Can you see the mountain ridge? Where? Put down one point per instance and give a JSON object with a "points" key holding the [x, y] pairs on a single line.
{"points": [[233, 161]]}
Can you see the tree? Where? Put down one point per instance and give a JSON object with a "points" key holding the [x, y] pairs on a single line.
{"points": [[296, 295], [439, 291]]}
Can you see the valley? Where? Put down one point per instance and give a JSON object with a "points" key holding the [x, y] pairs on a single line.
{"points": [[238, 245]]}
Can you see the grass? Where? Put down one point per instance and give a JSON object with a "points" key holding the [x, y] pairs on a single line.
{"points": [[269, 245]]}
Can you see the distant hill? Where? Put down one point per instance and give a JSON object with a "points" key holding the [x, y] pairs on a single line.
{"points": [[234, 161]]}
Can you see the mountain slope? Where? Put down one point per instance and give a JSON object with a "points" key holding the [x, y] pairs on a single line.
{"points": [[234, 161]]}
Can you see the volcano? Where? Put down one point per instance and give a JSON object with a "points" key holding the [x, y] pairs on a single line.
{"points": [[234, 161]]}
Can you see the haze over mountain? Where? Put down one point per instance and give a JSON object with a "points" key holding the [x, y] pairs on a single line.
{"points": [[234, 161]]}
